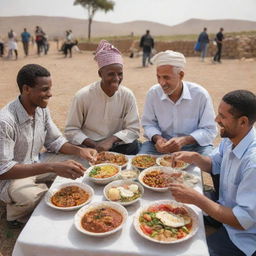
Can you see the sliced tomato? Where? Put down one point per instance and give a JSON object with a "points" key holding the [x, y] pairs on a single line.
{"points": [[146, 229]]}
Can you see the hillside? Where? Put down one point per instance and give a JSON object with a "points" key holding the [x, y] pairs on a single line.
{"points": [[56, 26]]}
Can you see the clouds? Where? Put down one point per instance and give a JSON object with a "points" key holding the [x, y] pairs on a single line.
{"points": [[168, 12]]}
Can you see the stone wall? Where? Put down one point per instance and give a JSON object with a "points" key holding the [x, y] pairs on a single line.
{"points": [[233, 47]]}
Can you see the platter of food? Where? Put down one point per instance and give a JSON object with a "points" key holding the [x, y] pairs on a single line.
{"points": [[69, 196], [159, 178], [166, 222], [143, 161], [129, 174], [124, 192], [103, 173], [112, 158], [100, 218], [166, 161]]}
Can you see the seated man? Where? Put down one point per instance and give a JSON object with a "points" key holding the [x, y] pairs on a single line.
{"points": [[235, 162], [104, 114], [178, 115], [25, 127]]}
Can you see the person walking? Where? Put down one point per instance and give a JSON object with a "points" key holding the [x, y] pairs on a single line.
{"points": [[25, 38], [147, 44], [203, 40], [12, 44], [219, 40]]}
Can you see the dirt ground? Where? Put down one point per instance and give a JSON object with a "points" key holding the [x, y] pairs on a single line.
{"points": [[70, 74]]}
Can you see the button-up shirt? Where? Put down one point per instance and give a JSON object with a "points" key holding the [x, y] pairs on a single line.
{"points": [[95, 115], [237, 169], [22, 137], [192, 114]]}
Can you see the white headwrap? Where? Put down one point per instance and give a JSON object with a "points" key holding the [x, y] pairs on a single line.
{"points": [[169, 57]]}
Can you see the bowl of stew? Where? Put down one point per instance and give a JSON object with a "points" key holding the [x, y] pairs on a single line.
{"points": [[100, 218], [143, 161], [103, 173], [69, 196]]}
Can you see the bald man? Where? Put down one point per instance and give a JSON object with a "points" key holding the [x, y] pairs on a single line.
{"points": [[178, 115]]}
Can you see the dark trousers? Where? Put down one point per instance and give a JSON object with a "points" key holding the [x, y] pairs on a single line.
{"points": [[217, 56], [1, 49], [25, 47], [127, 149], [219, 244]]}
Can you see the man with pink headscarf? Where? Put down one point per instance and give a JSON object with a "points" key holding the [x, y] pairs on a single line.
{"points": [[104, 114]]}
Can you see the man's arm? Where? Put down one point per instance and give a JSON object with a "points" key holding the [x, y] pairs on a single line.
{"points": [[221, 213]]}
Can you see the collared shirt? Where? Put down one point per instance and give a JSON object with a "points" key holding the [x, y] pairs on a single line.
{"points": [[22, 137], [97, 116], [237, 169], [192, 114]]}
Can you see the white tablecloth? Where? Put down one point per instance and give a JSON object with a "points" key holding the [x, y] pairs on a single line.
{"points": [[51, 232]]}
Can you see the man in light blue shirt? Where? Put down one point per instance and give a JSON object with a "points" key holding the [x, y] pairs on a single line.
{"points": [[235, 162], [178, 115]]}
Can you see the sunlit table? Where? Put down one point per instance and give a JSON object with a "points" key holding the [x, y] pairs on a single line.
{"points": [[51, 232]]}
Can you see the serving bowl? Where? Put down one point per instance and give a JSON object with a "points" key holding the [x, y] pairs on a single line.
{"points": [[71, 195], [178, 214], [124, 192], [97, 207], [165, 161], [112, 158], [102, 173], [143, 161]]}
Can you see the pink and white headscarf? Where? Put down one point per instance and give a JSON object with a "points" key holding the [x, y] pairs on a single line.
{"points": [[107, 54]]}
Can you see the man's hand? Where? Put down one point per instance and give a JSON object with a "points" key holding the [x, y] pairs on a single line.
{"points": [[185, 156], [106, 144], [68, 169], [160, 141], [88, 154], [184, 194], [173, 145]]}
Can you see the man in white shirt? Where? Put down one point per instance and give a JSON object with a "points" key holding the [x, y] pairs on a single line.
{"points": [[104, 115], [235, 163], [25, 128], [178, 115]]}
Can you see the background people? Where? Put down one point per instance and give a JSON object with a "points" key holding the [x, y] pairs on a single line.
{"points": [[146, 43], [234, 161], [203, 39], [219, 40], [39, 39], [104, 114], [25, 38], [178, 115], [12, 45]]}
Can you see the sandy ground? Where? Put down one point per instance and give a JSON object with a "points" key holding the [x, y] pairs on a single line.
{"points": [[70, 74]]}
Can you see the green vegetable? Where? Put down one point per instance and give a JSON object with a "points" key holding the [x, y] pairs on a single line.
{"points": [[185, 229], [94, 171]]}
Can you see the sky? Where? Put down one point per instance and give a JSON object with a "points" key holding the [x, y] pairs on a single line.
{"points": [[169, 12]]}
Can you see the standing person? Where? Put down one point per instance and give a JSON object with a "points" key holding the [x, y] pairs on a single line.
{"points": [[12, 44], [235, 209], [178, 115], [147, 44], [39, 38], [25, 38], [104, 114], [219, 40], [1, 47], [25, 128], [203, 39]]}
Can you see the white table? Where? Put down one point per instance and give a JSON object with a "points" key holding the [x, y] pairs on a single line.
{"points": [[51, 232]]}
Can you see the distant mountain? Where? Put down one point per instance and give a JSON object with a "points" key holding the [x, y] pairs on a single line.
{"points": [[56, 26]]}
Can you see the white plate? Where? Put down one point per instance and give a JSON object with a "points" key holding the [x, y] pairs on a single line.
{"points": [[54, 190], [192, 214], [119, 183], [159, 159], [142, 168], [143, 173], [102, 180], [114, 153], [80, 214]]}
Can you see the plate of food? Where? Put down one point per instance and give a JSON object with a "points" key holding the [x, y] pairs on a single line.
{"points": [[100, 218], [129, 174], [69, 196], [143, 161], [166, 222], [112, 158], [166, 161], [158, 178], [124, 192]]}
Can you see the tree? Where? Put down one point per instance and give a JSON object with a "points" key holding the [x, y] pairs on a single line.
{"points": [[92, 6]]}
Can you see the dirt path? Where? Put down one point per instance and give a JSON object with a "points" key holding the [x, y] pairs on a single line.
{"points": [[70, 74]]}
